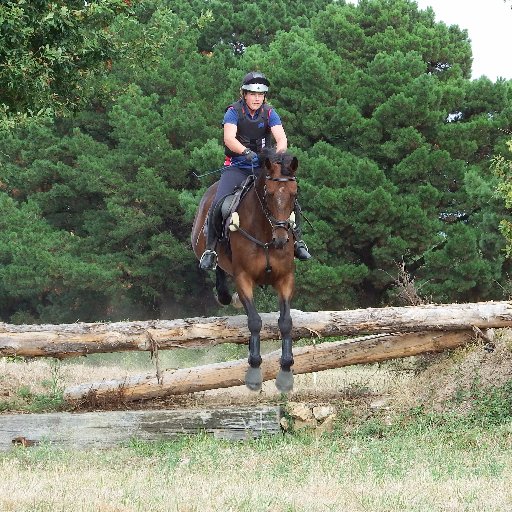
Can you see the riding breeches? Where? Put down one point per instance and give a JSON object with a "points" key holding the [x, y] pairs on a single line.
{"points": [[230, 178]]}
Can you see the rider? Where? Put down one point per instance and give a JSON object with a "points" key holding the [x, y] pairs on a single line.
{"points": [[248, 124]]}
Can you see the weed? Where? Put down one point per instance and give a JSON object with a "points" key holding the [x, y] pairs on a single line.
{"points": [[44, 403], [372, 427], [53, 399], [492, 406], [6, 405], [25, 392], [26, 399], [14, 359], [356, 390]]}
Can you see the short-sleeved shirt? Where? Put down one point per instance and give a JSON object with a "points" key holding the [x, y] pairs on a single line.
{"points": [[231, 117]]}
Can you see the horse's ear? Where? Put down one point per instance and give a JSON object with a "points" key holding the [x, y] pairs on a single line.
{"points": [[268, 163], [294, 164]]}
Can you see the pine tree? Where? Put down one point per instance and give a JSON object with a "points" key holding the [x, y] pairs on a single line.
{"points": [[47, 50], [394, 144]]}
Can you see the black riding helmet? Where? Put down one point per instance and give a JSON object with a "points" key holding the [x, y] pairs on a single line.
{"points": [[255, 81]]}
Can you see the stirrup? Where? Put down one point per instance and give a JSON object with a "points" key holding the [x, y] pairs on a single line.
{"points": [[208, 260], [301, 250]]}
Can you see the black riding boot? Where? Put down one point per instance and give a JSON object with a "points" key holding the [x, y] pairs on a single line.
{"points": [[208, 260], [300, 248]]}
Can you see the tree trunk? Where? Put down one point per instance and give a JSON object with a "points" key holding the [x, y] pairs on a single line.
{"points": [[313, 358], [70, 340]]}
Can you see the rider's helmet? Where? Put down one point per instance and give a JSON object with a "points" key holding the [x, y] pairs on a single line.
{"points": [[255, 82]]}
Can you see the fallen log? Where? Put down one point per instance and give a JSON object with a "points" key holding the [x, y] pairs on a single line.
{"points": [[69, 340], [312, 358], [108, 429]]}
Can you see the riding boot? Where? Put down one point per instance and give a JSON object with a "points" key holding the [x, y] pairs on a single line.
{"points": [[208, 259], [301, 251]]}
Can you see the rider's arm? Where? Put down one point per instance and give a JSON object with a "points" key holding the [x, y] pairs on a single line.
{"points": [[230, 139], [277, 130], [280, 137]]}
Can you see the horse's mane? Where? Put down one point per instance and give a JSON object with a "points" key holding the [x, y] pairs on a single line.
{"points": [[280, 157]]}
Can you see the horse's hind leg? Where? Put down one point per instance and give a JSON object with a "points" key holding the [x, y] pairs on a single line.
{"points": [[222, 294], [284, 380], [221, 286]]}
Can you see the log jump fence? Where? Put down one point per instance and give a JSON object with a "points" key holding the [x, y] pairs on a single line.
{"points": [[385, 333]]}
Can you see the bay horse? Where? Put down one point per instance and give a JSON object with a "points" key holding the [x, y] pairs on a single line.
{"points": [[260, 252]]}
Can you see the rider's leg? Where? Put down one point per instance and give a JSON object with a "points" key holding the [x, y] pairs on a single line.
{"points": [[300, 248], [230, 178], [208, 260]]}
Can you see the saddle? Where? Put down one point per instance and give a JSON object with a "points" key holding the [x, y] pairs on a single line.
{"points": [[226, 215]]}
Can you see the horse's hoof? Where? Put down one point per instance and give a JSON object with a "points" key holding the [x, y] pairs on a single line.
{"points": [[236, 302], [284, 381], [222, 299], [253, 378]]}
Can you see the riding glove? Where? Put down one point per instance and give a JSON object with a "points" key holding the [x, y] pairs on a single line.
{"points": [[250, 156]]}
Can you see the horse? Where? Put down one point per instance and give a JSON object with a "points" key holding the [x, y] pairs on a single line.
{"points": [[260, 252]]}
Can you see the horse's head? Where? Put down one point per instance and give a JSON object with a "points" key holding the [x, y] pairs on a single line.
{"points": [[279, 194]]}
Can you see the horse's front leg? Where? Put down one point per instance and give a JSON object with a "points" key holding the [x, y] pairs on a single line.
{"points": [[284, 380], [253, 377]]}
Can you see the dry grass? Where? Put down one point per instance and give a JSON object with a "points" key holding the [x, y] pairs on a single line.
{"points": [[430, 380], [452, 375], [18, 379], [298, 473]]}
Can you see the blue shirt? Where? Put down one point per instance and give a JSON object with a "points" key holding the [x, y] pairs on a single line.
{"points": [[231, 117]]}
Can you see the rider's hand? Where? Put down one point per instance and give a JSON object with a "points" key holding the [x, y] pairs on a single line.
{"points": [[250, 156]]}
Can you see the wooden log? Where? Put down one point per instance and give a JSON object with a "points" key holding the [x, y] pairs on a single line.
{"points": [[68, 340], [107, 429], [312, 358]]}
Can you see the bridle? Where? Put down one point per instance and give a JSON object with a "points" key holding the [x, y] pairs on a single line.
{"points": [[275, 224]]}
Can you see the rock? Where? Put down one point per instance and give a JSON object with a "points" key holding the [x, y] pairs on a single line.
{"points": [[299, 424], [327, 425], [490, 334], [321, 412], [285, 423], [320, 418], [380, 404], [299, 411]]}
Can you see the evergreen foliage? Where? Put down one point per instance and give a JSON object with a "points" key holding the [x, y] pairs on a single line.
{"points": [[503, 169], [48, 49], [394, 140]]}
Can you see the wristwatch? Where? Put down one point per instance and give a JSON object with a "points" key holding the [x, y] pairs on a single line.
{"points": [[246, 151]]}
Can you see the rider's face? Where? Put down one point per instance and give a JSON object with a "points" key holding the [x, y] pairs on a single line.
{"points": [[254, 100]]}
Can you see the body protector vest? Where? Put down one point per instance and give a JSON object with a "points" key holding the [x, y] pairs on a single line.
{"points": [[252, 133]]}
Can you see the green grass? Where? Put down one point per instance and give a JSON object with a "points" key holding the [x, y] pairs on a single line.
{"points": [[27, 400]]}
